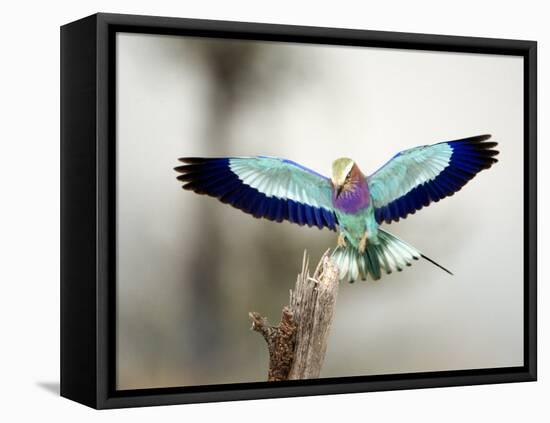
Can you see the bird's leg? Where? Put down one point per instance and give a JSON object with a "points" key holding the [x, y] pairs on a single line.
{"points": [[341, 240], [363, 243]]}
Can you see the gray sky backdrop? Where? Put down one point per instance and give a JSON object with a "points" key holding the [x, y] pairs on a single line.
{"points": [[190, 268]]}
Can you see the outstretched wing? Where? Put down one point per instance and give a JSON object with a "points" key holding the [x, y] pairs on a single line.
{"points": [[416, 177], [269, 187]]}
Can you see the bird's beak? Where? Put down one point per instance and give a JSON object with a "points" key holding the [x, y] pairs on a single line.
{"points": [[339, 189]]}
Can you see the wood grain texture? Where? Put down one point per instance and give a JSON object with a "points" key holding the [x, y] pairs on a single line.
{"points": [[297, 345]]}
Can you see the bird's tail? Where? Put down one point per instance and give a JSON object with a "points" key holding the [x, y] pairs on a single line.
{"points": [[389, 254]]}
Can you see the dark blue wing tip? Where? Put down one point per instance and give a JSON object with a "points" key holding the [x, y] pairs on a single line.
{"points": [[197, 160], [474, 154], [473, 140], [479, 138]]}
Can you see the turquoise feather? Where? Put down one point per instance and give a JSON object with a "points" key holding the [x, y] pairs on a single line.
{"points": [[280, 178]]}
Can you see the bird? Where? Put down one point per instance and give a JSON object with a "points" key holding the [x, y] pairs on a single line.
{"points": [[350, 203]]}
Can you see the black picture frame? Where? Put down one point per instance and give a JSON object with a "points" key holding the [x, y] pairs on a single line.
{"points": [[88, 209]]}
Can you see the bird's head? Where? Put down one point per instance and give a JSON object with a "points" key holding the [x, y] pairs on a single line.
{"points": [[342, 173]]}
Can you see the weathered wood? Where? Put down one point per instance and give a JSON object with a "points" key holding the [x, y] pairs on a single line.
{"points": [[312, 304], [280, 343], [297, 346]]}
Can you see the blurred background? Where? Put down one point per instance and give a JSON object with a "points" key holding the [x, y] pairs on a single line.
{"points": [[190, 268]]}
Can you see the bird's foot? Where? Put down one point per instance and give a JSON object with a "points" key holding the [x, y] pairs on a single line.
{"points": [[363, 243], [341, 243]]}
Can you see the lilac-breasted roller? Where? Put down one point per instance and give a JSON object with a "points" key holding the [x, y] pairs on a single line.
{"points": [[349, 202]]}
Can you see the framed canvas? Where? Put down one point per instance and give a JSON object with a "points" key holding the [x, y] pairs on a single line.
{"points": [[371, 151]]}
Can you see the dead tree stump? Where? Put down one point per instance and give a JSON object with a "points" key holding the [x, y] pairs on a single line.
{"points": [[297, 345]]}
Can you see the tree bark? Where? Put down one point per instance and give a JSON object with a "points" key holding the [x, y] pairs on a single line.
{"points": [[297, 345]]}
